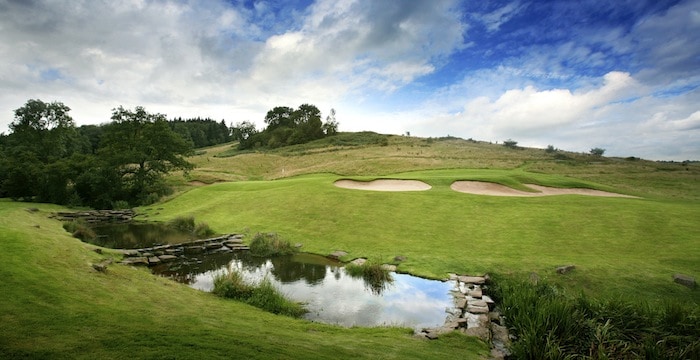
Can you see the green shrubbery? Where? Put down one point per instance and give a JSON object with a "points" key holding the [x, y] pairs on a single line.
{"points": [[187, 224], [264, 295], [270, 244], [80, 229], [549, 324]]}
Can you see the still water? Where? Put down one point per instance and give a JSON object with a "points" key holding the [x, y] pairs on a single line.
{"points": [[137, 235], [330, 294]]}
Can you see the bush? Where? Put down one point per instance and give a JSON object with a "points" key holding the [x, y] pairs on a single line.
{"points": [[186, 224], [79, 229], [183, 223], [264, 295], [202, 230], [265, 245], [510, 143]]}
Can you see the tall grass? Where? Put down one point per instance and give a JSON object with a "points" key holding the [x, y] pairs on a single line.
{"points": [[263, 295], [376, 278], [80, 229], [550, 324], [270, 244], [187, 224]]}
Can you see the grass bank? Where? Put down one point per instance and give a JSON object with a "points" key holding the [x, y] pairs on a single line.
{"points": [[56, 306]]}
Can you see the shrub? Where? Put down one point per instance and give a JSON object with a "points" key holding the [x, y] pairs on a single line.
{"points": [[264, 245], [597, 151], [79, 229], [183, 223], [510, 143], [202, 230]]}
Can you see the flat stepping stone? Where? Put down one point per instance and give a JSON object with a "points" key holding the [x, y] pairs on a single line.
{"points": [[478, 280], [337, 254], [359, 261]]}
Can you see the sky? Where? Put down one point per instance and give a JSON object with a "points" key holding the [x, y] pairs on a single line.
{"points": [[620, 75]]}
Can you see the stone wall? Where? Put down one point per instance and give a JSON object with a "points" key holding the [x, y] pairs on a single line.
{"points": [[165, 253], [474, 314]]}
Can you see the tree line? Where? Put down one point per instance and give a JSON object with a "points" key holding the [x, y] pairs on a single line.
{"points": [[286, 126], [47, 158]]}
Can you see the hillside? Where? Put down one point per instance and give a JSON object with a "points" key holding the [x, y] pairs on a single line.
{"points": [[57, 306]]}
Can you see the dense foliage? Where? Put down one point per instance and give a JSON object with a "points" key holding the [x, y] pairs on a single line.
{"points": [[47, 159], [286, 126], [548, 324]]}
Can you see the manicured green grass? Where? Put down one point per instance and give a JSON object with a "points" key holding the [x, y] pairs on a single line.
{"points": [[621, 246], [55, 306]]}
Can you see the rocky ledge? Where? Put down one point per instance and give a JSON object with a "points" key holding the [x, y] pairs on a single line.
{"points": [[165, 253], [473, 314], [97, 216]]}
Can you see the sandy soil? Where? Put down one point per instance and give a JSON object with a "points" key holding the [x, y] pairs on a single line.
{"points": [[384, 185], [486, 188]]}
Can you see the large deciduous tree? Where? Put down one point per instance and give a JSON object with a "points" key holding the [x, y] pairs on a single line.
{"points": [[142, 148]]}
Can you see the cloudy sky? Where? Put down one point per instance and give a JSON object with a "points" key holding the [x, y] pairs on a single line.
{"points": [[622, 75]]}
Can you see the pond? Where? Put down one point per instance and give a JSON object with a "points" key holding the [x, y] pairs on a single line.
{"points": [[135, 235], [328, 292], [330, 295]]}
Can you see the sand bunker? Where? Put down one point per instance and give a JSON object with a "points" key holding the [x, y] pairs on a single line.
{"points": [[487, 188], [384, 185]]}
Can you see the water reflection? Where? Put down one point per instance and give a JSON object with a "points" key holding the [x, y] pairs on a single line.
{"points": [[330, 294], [136, 235]]}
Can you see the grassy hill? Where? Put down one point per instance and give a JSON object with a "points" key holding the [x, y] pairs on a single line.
{"points": [[56, 306]]}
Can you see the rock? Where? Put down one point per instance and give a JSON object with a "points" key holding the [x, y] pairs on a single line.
{"points": [[461, 303], [213, 246], [472, 280], [336, 255], [102, 266], [480, 332], [359, 261], [478, 309], [478, 303], [475, 293], [165, 258], [497, 354], [495, 317], [477, 320], [399, 258], [565, 269], [153, 260], [685, 280], [97, 250], [388, 267], [194, 249], [298, 245]]}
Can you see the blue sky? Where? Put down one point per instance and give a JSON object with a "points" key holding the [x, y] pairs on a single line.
{"points": [[621, 75]]}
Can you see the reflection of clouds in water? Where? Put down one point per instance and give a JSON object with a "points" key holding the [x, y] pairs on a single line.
{"points": [[343, 300]]}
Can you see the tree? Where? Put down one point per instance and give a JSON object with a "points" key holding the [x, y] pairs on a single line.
{"points": [[330, 127], [143, 148], [510, 143], [280, 116], [243, 130], [597, 151], [45, 129], [550, 149]]}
